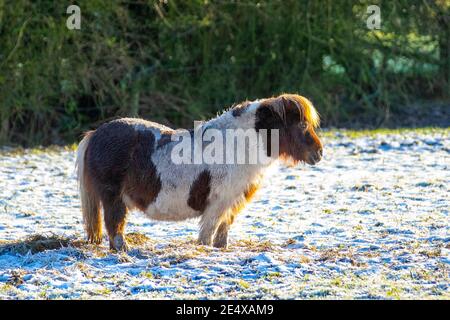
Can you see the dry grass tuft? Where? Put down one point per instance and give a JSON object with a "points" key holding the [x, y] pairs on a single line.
{"points": [[42, 242], [16, 278], [137, 239], [254, 246], [35, 244]]}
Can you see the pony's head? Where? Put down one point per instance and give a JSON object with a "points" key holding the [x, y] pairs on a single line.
{"points": [[296, 119]]}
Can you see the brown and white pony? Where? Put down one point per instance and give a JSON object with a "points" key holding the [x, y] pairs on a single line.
{"points": [[126, 164]]}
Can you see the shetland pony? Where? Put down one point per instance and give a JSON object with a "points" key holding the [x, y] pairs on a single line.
{"points": [[126, 164]]}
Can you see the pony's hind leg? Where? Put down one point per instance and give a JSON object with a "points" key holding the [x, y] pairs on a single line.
{"points": [[115, 213]]}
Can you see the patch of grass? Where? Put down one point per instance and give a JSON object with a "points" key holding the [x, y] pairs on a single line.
{"points": [[103, 291], [243, 284], [255, 245], [5, 288], [136, 238], [147, 274], [16, 278], [358, 264], [435, 253], [304, 259], [176, 61], [393, 292], [43, 294], [329, 255], [43, 242], [71, 147], [180, 258], [38, 150], [338, 282], [289, 242], [335, 254], [35, 244], [273, 275]]}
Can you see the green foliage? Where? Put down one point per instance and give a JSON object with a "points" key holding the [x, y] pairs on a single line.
{"points": [[176, 61]]}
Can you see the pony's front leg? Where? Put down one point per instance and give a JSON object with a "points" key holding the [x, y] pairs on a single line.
{"points": [[221, 236], [210, 221]]}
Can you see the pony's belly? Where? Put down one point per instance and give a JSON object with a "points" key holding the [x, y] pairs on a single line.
{"points": [[170, 211]]}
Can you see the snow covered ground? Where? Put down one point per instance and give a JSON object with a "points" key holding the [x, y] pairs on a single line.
{"points": [[371, 221]]}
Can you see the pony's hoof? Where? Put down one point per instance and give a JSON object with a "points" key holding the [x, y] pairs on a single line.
{"points": [[119, 243], [223, 244]]}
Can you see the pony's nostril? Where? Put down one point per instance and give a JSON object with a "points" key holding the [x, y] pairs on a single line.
{"points": [[315, 157]]}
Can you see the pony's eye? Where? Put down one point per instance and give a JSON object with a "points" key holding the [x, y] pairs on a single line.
{"points": [[303, 125]]}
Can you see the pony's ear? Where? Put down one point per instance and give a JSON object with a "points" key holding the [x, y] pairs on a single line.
{"points": [[278, 113], [289, 104], [268, 117], [291, 110]]}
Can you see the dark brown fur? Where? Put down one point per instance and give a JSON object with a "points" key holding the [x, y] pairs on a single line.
{"points": [[117, 163], [142, 183], [166, 137], [240, 109], [199, 192]]}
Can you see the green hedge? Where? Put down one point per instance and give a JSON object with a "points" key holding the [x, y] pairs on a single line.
{"points": [[176, 61]]}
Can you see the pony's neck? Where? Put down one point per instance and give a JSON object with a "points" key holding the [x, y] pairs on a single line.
{"points": [[228, 120], [244, 120]]}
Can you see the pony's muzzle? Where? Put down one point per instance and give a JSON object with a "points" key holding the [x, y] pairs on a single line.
{"points": [[315, 157]]}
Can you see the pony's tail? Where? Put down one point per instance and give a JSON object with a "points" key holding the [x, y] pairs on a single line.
{"points": [[90, 204]]}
